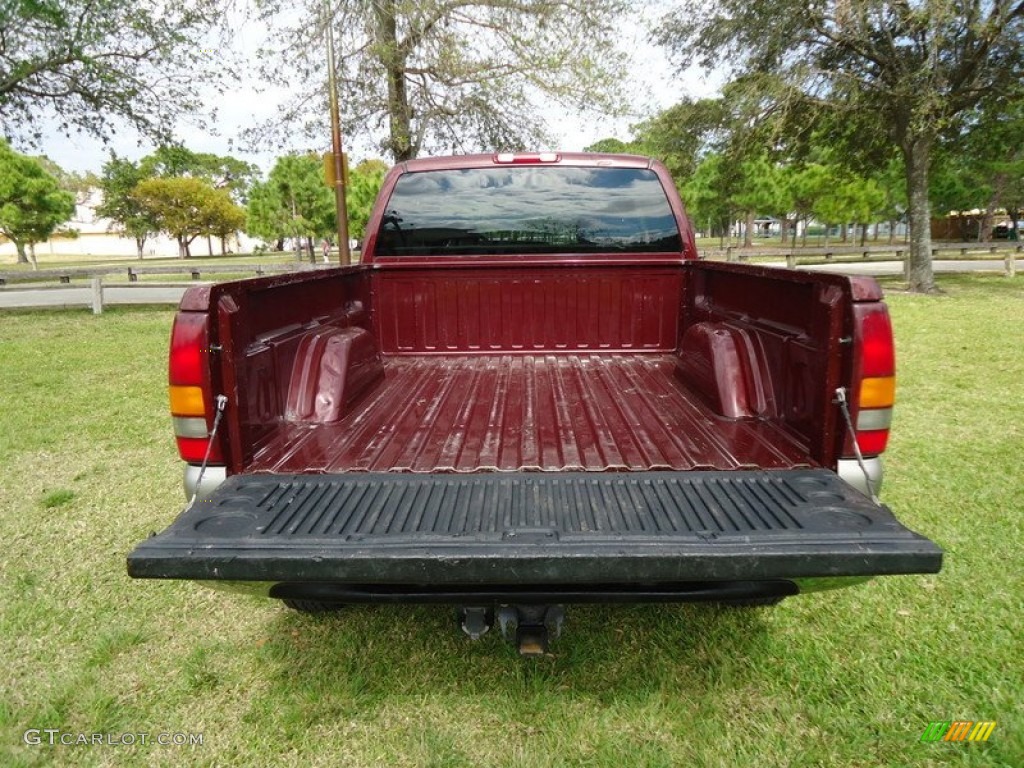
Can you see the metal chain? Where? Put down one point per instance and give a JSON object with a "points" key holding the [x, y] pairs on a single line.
{"points": [[844, 405], [222, 401]]}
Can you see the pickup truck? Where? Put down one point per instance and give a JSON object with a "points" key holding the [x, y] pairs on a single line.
{"points": [[532, 392]]}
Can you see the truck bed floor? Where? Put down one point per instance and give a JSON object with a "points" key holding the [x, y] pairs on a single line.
{"points": [[532, 412]]}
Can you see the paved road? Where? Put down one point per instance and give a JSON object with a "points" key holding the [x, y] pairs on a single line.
{"points": [[75, 296]]}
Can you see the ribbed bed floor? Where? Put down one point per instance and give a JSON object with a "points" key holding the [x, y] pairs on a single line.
{"points": [[535, 412]]}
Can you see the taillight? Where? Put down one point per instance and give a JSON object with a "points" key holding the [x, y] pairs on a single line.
{"points": [[189, 388], [875, 377]]}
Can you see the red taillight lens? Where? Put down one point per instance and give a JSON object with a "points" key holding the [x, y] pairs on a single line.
{"points": [[872, 442], [877, 355], [189, 342], [189, 389], [193, 450], [875, 378]]}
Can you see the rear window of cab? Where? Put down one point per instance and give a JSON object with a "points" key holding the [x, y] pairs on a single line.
{"points": [[528, 209]]}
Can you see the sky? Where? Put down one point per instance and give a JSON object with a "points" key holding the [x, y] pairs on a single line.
{"points": [[654, 81]]}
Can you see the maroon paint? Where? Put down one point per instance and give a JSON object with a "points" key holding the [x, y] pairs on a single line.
{"points": [[596, 362], [524, 309], [529, 412], [572, 159]]}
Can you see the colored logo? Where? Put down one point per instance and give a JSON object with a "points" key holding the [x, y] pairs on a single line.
{"points": [[958, 730]]}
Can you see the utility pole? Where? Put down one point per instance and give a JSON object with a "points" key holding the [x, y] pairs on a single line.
{"points": [[338, 158]]}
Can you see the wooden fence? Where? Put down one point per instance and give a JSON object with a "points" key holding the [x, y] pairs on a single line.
{"points": [[96, 275], [1009, 253]]}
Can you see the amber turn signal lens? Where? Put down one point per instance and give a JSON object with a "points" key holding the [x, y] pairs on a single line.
{"points": [[186, 401], [878, 392]]}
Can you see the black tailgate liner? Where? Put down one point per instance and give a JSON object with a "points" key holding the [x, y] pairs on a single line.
{"points": [[532, 528]]}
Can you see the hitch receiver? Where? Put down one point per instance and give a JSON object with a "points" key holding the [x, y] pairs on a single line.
{"points": [[531, 627]]}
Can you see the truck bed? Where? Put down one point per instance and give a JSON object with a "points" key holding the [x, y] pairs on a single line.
{"points": [[574, 412]]}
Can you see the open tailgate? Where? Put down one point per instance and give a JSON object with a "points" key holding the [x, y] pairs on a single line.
{"points": [[537, 529]]}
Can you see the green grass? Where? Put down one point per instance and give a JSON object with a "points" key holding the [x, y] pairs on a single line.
{"points": [[848, 678]]}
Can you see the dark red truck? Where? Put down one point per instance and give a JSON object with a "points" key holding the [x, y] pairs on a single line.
{"points": [[529, 393]]}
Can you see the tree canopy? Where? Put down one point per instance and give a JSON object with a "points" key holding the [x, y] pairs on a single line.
{"points": [[87, 61], [914, 67], [32, 203], [449, 75], [294, 202], [118, 181], [187, 207]]}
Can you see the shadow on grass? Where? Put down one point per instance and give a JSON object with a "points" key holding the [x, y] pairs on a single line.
{"points": [[369, 658]]}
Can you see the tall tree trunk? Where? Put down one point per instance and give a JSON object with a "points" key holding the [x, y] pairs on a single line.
{"points": [[394, 57], [846, 234], [140, 244], [748, 230], [209, 245], [32, 255], [22, 256], [917, 154], [783, 227], [864, 234]]}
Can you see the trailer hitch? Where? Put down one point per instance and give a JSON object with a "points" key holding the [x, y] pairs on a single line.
{"points": [[531, 627]]}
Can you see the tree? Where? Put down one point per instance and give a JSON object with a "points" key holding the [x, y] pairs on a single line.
{"points": [[227, 173], [611, 146], [448, 74], [364, 183], [891, 180], [186, 208], [81, 185], [807, 184], [121, 206], [682, 135], [915, 65], [993, 146], [706, 194], [86, 61], [221, 171], [32, 204], [759, 190], [294, 202]]}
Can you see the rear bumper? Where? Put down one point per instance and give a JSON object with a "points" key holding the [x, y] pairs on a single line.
{"points": [[543, 533]]}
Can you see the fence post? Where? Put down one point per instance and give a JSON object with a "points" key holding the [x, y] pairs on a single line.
{"points": [[728, 253], [97, 295], [1011, 264], [791, 260]]}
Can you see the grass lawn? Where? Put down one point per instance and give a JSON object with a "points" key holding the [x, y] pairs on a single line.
{"points": [[849, 678]]}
